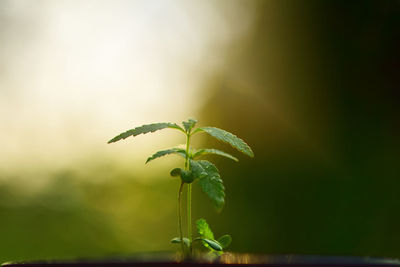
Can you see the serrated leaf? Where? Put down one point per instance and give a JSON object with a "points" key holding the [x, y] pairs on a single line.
{"points": [[211, 183], [225, 241], [229, 138], [206, 151], [176, 172], [204, 229], [148, 128], [188, 125], [197, 169], [161, 153], [177, 240], [207, 236]]}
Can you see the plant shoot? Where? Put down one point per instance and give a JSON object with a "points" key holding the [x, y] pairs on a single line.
{"points": [[202, 172]]}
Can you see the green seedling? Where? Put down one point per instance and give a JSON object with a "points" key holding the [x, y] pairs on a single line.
{"points": [[202, 172]]}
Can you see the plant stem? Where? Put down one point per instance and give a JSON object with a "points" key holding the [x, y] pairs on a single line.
{"points": [[189, 196], [180, 218], [189, 211], [187, 151]]}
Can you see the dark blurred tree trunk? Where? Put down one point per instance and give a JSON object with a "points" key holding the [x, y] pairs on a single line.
{"points": [[314, 89]]}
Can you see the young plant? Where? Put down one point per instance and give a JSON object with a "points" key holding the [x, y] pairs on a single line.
{"points": [[203, 172]]}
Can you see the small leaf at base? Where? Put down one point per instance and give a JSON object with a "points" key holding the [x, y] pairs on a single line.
{"points": [[212, 244], [225, 241], [177, 240], [204, 229]]}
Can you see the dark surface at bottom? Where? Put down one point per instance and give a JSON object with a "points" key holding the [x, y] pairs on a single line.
{"points": [[229, 259], [168, 264]]}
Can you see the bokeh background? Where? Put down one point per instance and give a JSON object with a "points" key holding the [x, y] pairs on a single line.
{"points": [[312, 86]]}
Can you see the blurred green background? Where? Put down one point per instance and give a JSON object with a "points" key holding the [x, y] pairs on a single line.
{"points": [[312, 86]]}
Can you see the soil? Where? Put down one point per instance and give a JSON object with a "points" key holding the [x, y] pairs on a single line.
{"points": [[167, 260]]}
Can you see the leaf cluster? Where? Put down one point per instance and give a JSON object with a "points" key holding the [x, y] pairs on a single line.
{"points": [[208, 240], [203, 172], [206, 237]]}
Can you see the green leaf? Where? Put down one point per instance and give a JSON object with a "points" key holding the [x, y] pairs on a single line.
{"points": [[161, 153], [211, 183], [212, 244], [188, 125], [177, 240], [207, 236], [229, 138], [197, 169], [204, 229], [148, 128], [176, 172], [225, 241], [205, 151]]}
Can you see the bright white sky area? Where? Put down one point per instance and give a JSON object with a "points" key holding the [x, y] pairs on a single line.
{"points": [[73, 74]]}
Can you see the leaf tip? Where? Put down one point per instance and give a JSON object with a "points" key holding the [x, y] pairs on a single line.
{"points": [[250, 152]]}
